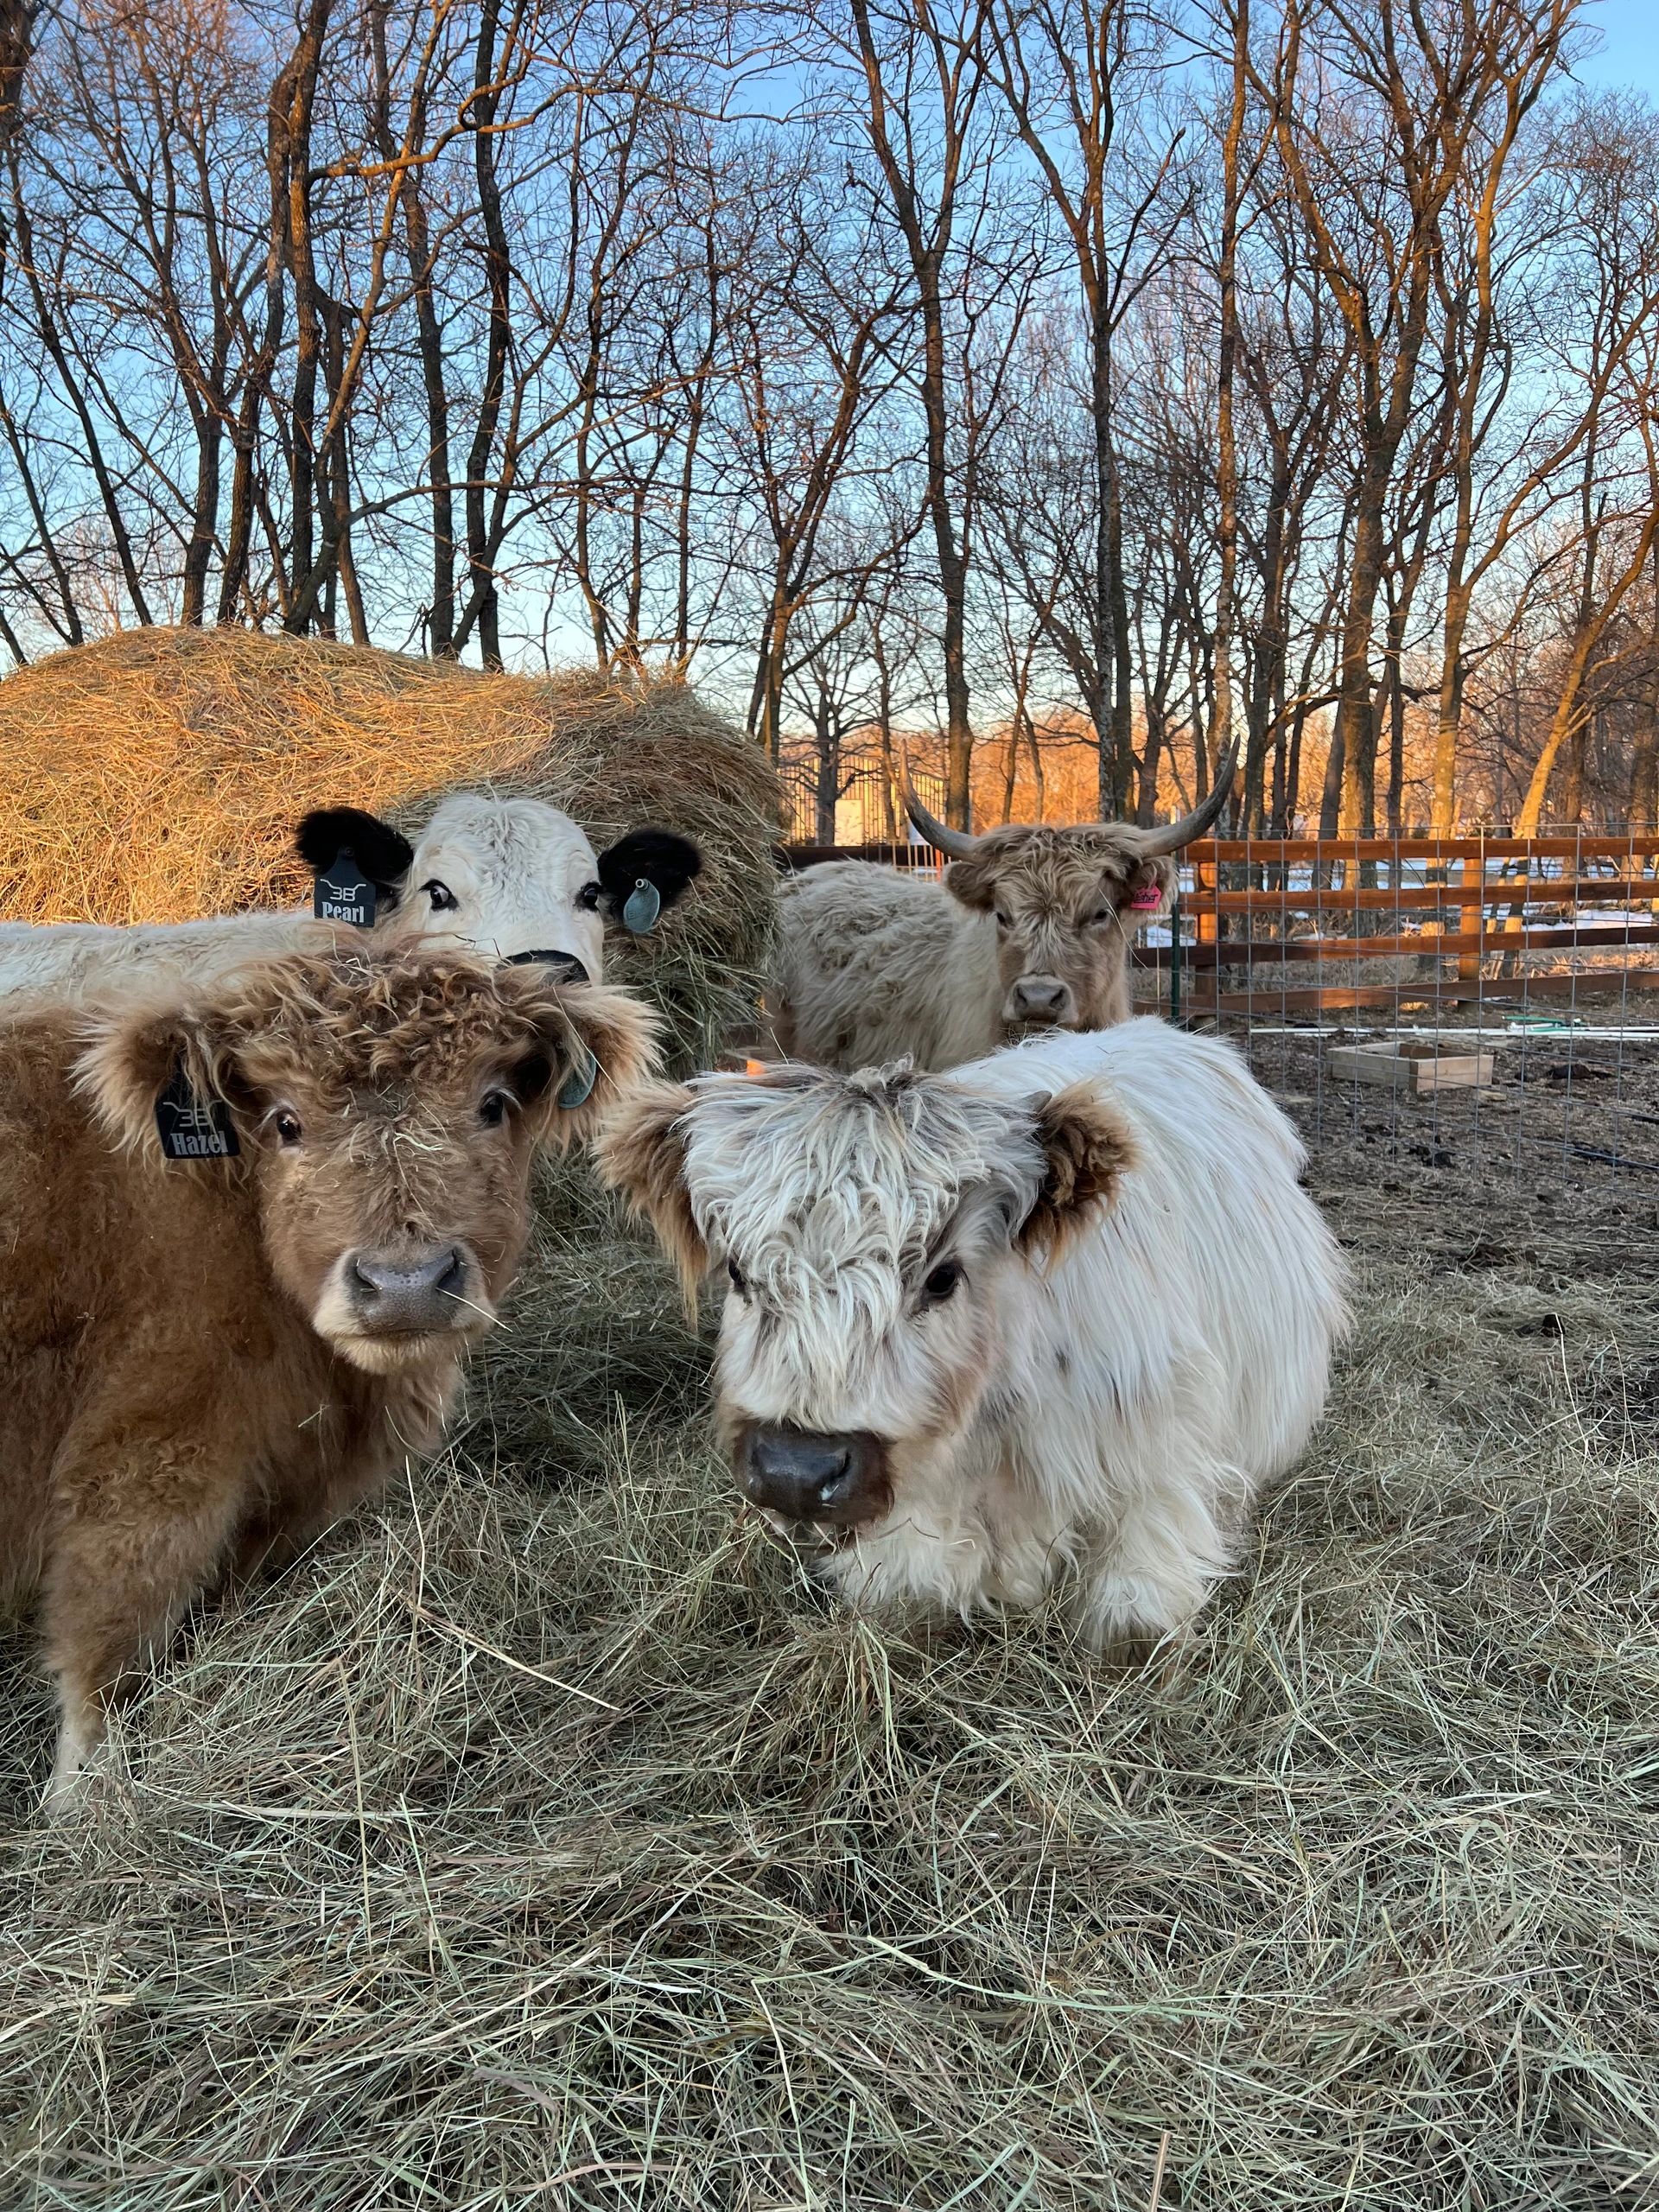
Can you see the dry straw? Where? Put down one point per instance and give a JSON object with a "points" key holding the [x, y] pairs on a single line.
{"points": [[158, 775], [540, 1841]]}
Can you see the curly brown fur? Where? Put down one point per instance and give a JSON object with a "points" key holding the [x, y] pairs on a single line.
{"points": [[1087, 1147], [194, 1371]]}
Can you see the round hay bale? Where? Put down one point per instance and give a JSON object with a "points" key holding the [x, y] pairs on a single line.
{"points": [[158, 775]]}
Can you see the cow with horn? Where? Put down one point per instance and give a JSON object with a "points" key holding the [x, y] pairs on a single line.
{"points": [[1028, 929]]}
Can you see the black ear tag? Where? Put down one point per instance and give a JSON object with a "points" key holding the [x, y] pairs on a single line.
{"points": [[578, 1086], [190, 1128], [343, 893], [642, 906]]}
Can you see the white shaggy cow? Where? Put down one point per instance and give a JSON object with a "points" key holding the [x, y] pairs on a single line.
{"points": [[1047, 1323], [1029, 929], [507, 876]]}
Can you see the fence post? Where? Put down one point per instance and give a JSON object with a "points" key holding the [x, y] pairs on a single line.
{"points": [[1175, 958], [1468, 919]]}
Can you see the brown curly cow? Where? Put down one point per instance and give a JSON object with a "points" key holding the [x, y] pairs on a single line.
{"points": [[204, 1360]]}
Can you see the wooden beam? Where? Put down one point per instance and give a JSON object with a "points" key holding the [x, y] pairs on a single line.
{"points": [[1492, 890], [1281, 852], [1429, 944], [1506, 993]]}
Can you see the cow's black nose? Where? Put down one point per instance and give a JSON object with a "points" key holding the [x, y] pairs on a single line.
{"points": [[408, 1290], [565, 965], [836, 1480]]}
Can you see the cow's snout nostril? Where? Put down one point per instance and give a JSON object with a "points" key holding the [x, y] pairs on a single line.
{"points": [[1039, 998], [832, 1484], [836, 1480], [409, 1291]]}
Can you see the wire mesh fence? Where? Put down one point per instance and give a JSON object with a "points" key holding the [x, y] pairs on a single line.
{"points": [[1486, 997], [866, 818]]}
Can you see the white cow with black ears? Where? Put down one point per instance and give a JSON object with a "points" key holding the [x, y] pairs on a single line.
{"points": [[1046, 1323], [510, 876]]}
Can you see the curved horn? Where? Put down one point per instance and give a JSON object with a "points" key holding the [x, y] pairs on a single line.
{"points": [[1176, 834], [956, 842]]}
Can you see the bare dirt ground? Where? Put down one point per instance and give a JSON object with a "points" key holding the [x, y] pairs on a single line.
{"points": [[1553, 1168]]}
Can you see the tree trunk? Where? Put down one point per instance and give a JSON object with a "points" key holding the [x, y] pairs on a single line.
{"points": [[483, 597], [1226, 451]]}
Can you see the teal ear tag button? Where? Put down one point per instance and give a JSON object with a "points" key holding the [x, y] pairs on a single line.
{"points": [[645, 903], [578, 1086]]}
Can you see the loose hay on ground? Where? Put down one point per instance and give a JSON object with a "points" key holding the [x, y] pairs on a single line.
{"points": [[158, 775], [529, 1846]]}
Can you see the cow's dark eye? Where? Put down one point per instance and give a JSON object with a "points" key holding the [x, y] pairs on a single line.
{"points": [[493, 1108], [1003, 921], [287, 1126], [1102, 914], [736, 1277], [442, 897], [588, 897], [942, 1282]]}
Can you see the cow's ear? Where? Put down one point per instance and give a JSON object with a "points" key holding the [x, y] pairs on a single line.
{"points": [[594, 1047], [384, 854], [1086, 1146], [642, 1154], [660, 858], [1150, 891], [136, 1057], [972, 881]]}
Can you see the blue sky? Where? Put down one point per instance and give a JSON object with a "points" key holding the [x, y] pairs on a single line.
{"points": [[1630, 53]]}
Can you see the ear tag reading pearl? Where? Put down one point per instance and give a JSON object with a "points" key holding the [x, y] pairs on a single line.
{"points": [[645, 903], [343, 893], [1146, 900], [190, 1129], [578, 1086]]}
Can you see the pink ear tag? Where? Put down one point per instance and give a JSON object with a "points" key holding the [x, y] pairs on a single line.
{"points": [[1146, 900]]}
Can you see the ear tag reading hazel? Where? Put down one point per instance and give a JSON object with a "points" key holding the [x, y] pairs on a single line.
{"points": [[1146, 900], [644, 904], [343, 893], [578, 1086], [190, 1128]]}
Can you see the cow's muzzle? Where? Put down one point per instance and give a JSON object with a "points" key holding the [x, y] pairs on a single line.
{"points": [[1040, 1002], [405, 1293], [828, 1482], [566, 968]]}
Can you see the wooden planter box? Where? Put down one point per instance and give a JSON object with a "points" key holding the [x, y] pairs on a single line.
{"points": [[1407, 1063]]}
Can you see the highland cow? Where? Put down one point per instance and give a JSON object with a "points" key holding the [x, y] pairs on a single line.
{"points": [[1045, 1323], [1030, 929], [205, 1359], [509, 876]]}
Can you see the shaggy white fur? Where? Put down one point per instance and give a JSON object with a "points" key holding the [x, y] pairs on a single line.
{"points": [[513, 866], [1098, 1418]]}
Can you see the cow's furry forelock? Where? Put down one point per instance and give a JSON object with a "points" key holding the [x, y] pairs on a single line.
{"points": [[832, 1194], [355, 1020]]}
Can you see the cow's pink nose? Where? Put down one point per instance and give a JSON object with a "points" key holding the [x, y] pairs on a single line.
{"points": [[1040, 998]]}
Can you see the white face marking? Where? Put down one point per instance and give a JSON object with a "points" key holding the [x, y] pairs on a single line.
{"points": [[502, 876]]}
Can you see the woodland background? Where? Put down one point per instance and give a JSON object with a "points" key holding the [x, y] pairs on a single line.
{"points": [[1055, 385]]}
